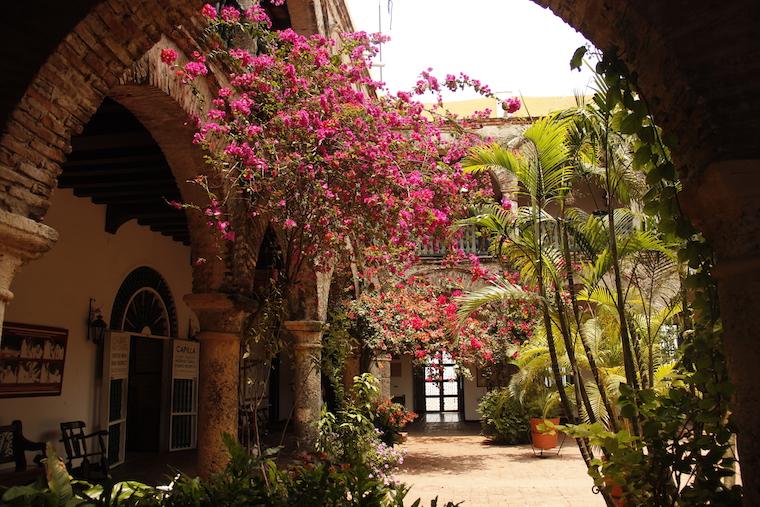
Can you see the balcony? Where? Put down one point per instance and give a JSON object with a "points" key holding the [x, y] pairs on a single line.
{"points": [[470, 243]]}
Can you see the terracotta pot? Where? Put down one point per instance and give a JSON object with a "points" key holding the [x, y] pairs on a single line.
{"points": [[543, 440], [615, 491]]}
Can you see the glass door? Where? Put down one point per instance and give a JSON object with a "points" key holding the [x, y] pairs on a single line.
{"points": [[441, 385]]}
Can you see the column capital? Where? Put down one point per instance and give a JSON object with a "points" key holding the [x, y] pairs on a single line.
{"points": [[304, 326], [24, 238], [21, 239], [217, 312], [307, 334]]}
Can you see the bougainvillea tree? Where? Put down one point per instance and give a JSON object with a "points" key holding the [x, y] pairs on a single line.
{"points": [[417, 316], [309, 142]]}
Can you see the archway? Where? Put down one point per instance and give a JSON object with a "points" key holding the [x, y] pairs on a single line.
{"points": [[144, 308], [692, 66]]}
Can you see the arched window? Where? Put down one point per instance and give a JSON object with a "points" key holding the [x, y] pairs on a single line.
{"points": [[144, 304]]}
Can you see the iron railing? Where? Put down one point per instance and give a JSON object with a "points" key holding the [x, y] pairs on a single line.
{"points": [[470, 243]]}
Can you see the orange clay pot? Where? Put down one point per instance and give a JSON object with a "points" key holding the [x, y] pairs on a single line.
{"points": [[615, 491], [543, 440]]}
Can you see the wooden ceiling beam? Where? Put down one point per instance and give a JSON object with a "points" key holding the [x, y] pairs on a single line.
{"points": [[107, 183], [141, 199], [115, 160], [86, 173], [118, 140], [154, 190]]}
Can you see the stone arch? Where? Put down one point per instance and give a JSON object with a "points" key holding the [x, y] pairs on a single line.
{"points": [[114, 50], [83, 55], [68, 88], [683, 57], [151, 92]]}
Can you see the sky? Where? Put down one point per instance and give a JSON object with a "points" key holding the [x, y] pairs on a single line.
{"points": [[511, 45]]}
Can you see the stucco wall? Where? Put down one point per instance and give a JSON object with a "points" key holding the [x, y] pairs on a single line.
{"points": [[55, 290], [472, 395], [404, 385]]}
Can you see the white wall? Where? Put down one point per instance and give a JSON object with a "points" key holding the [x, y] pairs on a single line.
{"points": [[404, 385], [55, 290], [472, 395]]}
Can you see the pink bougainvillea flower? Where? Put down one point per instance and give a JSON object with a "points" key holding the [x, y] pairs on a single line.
{"points": [[209, 11], [195, 69], [168, 56], [230, 14], [511, 105]]}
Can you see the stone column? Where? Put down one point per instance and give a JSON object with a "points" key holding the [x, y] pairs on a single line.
{"points": [[220, 327], [351, 369], [21, 240], [307, 352], [380, 367], [725, 204]]}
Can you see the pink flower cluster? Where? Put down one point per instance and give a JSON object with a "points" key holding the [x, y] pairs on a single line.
{"points": [[511, 105], [303, 136], [419, 317]]}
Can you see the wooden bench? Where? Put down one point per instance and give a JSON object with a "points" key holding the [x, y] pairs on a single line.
{"points": [[13, 447]]}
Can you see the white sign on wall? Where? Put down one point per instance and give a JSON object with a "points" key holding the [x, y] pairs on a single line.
{"points": [[119, 355], [185, 359]]}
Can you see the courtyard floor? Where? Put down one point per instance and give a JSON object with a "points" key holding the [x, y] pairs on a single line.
{"points": [[460, 465]]}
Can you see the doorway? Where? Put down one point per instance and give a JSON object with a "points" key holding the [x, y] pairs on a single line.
{"points": [[442, 390], [145, 387]]}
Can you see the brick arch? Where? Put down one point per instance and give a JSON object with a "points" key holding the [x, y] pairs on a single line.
{"points": [[691, 62], [152, 92], [69, 87]]}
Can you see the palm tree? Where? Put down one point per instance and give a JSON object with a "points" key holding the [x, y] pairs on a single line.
{"points": [[542, 167], [620, 259]]}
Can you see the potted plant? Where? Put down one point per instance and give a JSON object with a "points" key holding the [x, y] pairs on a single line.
{"points": [[389, 419], [545, 406]]}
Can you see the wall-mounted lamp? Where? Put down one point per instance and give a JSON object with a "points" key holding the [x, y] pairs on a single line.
{"points": [[96, 326]]}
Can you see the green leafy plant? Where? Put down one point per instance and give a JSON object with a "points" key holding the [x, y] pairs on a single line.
{"points": [[503, 418], [618, 287], [58, 489]]}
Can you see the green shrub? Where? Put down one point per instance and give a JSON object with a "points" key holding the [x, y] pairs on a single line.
{"points": [[503, 418]]}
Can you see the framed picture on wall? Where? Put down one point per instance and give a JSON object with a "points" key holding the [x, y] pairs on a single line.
{"points": [[31, 360]]}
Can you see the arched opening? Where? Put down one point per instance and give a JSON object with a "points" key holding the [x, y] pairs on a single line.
{"points": [[704, 92], [144, 308], [117, 163], [264, 388], [144, 305]]}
